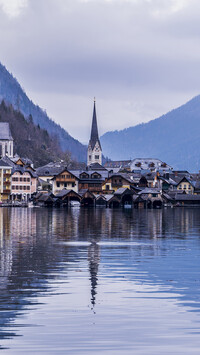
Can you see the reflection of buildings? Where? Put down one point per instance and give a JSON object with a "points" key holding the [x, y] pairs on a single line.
{"points": [[22, 223], [5, 248], [93, 259]]}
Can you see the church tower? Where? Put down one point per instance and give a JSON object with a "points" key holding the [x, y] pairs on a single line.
{"points": [[94, 154]]}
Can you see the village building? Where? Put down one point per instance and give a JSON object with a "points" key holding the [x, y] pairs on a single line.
{"points": [[24, 184], [94, 153], [186, 185], [5, 181], [116, 181], [6, 140], [151, 164], [64, 180]]}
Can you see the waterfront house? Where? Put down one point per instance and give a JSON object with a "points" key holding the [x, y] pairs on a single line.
{"points": [[116, 181], [24, 184], [64, 180], [186, 185], [153, 197], [5, 181]]}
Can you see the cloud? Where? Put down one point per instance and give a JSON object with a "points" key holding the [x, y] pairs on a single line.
{"points": [[13, 8], [139, 57]]}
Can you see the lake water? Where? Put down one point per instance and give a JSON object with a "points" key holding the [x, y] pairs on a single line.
{"points": [[99, 281]]}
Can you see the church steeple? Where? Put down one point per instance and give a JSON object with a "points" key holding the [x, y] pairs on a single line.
{"points": [[94, 137], [94, 146]]}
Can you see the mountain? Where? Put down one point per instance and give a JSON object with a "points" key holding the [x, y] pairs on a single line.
{"points": [[12, 93], [31, 141], [173, 138]]}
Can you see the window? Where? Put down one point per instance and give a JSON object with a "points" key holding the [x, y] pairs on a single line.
{"points": [[96, 156], [20, 179], [89, 157], [185, 187], [73, 184], [58, 184], [65, 184], [107, 187]]}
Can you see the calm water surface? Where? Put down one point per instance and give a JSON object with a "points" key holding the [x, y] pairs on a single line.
{"points": [[99, 281]]}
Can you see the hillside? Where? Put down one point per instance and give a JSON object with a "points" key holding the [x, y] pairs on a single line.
{"points": [[31, 141], [174, 138], [12, 93]]}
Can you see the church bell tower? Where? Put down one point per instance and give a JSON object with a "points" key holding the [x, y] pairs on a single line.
{"points": [[94, 154]]}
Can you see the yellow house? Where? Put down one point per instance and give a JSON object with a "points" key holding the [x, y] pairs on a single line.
{"points": [[114, 182], [5, 181], [186, 185]]}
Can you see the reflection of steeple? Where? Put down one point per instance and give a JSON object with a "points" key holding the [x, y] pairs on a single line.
{"points": [[93, 258]]}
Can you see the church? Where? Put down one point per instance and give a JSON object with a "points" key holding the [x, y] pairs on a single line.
{"points": [[6, 140], [94, 153]]}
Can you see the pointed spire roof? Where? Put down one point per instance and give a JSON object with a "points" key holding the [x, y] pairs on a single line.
{"points": [[94, 137]]}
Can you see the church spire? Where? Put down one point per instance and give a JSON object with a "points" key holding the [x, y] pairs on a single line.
{"points": [[94, 137], [94, 147]]}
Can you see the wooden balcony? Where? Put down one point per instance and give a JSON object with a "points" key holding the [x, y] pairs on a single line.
{"points": [[6, 192]]}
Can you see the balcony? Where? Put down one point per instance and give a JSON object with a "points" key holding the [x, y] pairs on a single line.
{"points": [[6, 191], [117, 184], [7, 182]]}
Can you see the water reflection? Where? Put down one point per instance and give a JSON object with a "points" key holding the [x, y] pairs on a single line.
{"points": [[152, 248]]}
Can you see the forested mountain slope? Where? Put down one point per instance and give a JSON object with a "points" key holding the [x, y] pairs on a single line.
{"points": [[12, 93], [174, 138]]}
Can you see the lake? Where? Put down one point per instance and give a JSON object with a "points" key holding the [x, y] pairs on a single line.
{"points": [[99, 281]]}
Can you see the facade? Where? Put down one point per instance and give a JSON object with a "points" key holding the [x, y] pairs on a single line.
{"points": [[5, 181], [24, 184], [151, 164], [6, 140], [114, 182], [186, 185], [64, 180], [94, 154]]}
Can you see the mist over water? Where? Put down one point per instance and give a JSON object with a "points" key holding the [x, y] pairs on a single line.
{"points": [[99, 281]]}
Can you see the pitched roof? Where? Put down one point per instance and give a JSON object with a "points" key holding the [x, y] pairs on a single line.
{"points": [[5, 131], [94, 137], [187, 197], [3, 164]]}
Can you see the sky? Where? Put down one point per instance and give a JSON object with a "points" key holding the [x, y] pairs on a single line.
{"points": [[139, 58]]}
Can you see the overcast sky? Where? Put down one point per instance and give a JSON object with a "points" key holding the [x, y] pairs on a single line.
{"points": [[139, 58]]}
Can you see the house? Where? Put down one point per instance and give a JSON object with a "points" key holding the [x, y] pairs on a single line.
{"points": [[151, 164], [116, 181], [5, 181], [6, 140], [64, 180], [153, 197], [120, 164], [24, 183], [48, 171], [186, 185]]}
